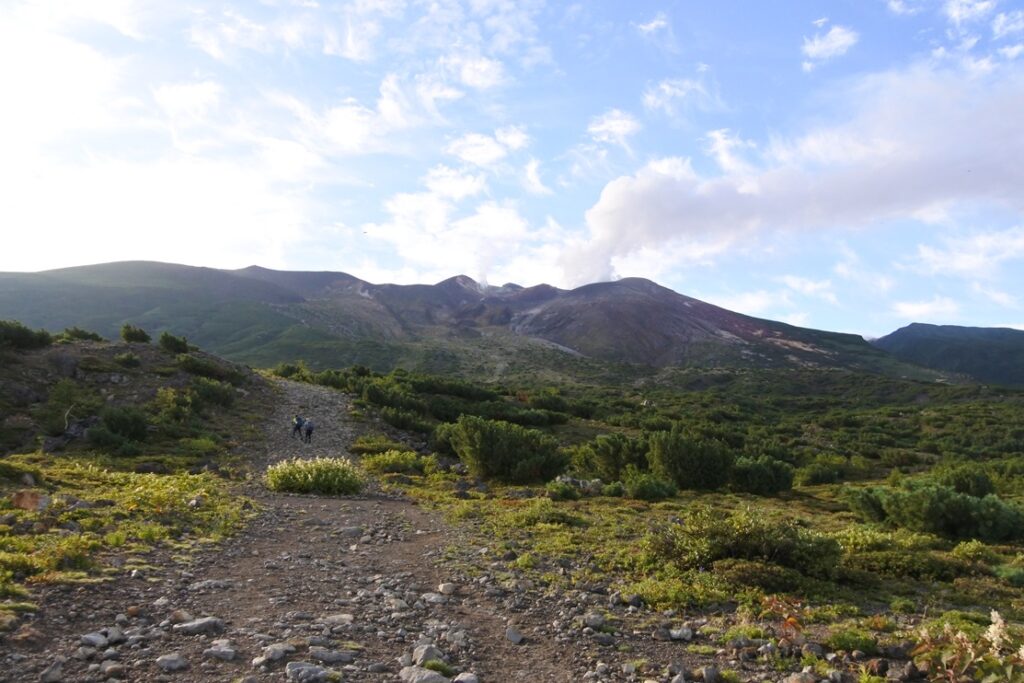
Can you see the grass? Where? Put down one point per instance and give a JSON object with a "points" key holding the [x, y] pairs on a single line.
{"points": [[394, 462], [98, 513], [327, 476]]}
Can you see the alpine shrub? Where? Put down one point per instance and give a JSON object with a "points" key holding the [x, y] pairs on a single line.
{"points": [[329, 476], [763, 476], [504, 451], [168, 342], [130, 333], [692, 463], [608, 456], [647, 486], [970, 479], [704, 537], [14, 335]]}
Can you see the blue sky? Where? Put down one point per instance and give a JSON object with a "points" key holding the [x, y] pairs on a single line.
{"points": [[851, 165]]}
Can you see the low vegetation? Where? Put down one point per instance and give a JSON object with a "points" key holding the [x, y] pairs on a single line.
{"points": [[327, 476]]}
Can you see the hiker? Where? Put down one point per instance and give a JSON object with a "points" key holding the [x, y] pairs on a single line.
{"points": [[297, 423], [308, 426]]}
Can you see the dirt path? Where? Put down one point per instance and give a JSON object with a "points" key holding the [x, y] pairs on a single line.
{"points": [[352, 585]]}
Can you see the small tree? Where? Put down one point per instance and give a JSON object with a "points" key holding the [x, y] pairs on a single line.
{"points": [[692, 463], [130, 333], [168, 342], [493, 449]]}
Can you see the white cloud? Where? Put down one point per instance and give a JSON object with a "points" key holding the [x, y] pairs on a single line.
{"points": [[513, 137], [658, 23], [484, 150], [1011, 52], [904, 7], [723, 147], [532, 180], [821, 47], [965, 11], [914, 139], [448, 183], [936, 309], [188, 101], [757, 303], [671, 94], [1007, 23], [614, 126], [481, 73], [974, 256], [996, 296], [851, 268], [478, 149], [820, 289]]}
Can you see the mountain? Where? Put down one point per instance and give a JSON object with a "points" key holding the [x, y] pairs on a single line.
{"points": [[988, 354], [264, 316]]}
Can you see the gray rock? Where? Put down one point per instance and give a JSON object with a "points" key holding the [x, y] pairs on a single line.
{"points": [[434, 598], [593, 620], [172, 662], [278, 651], [801, 677], [683, 633], [813, 649], [325, 656], [425, 653], [304, 672], [466, 678], [514, 636], [447, 588], [114, 635], [417, 674], [95, 640], [338, 619], [196, 626], [710, 674], [211, 584], [111, 669], [222, 650], [54, 673]]}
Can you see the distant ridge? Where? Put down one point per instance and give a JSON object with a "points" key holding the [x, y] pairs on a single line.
{"points": [[263, 316], [988, 354]]}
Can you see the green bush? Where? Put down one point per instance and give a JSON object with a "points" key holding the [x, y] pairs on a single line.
{"points": [[818, 473], [970, 479], [194, 365], [560, 490], [646, 485], [692, 463], [504, 451], [608, 456], [328, 476], [127, 422], [211, 392], [920, 565], [406, 419], [77, 334], [769, 577], [613, 490], [851, 639], [705, 536], [130, 333], [168, 342], [127, 359], [67, 402], [763, 476], [942, 511], [14, 335], [394, 462], [373, 444]]}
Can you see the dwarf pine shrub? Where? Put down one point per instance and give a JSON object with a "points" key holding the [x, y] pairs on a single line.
{"points": [[493, 449]]}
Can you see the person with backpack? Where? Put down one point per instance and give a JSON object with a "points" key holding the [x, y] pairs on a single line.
{"points": [[308, 426], [297, 423]]}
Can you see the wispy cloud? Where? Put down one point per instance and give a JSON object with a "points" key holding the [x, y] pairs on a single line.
{"points": [[938, 308], [614, 126], [824, 46]]}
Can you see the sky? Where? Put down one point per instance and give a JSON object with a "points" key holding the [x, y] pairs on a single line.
{"points": [[851, 165]]}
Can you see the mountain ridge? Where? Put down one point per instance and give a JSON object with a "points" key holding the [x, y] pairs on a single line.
{"points": [[258, 314]]}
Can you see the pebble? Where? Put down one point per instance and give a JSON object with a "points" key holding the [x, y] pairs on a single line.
{"points": [[172, 662], [197, 626], [304, 672], [514, 636], [426, 653], [417, 674]]}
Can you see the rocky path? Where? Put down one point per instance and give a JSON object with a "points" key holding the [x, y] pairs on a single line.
{"points": [[315, 588]]}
